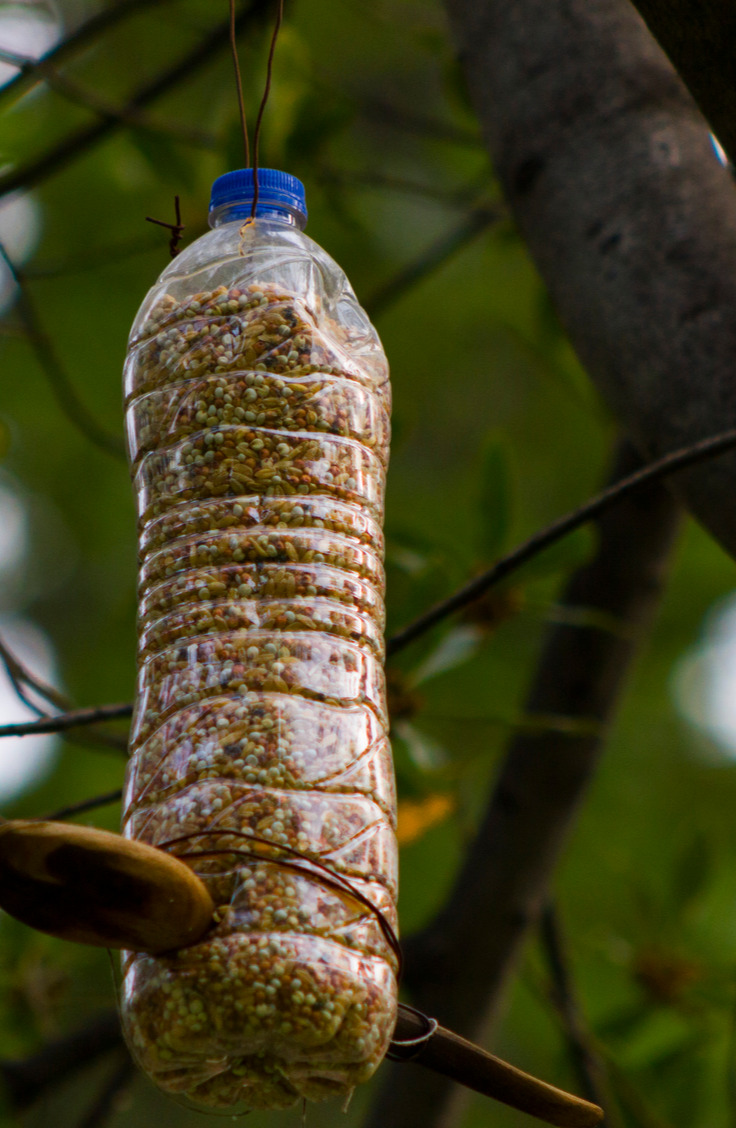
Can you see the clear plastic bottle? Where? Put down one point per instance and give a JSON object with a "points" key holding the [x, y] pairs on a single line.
{"points": [[257, 408]]}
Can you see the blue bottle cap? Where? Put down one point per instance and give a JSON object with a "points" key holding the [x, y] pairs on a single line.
{"points": [[276, 190]]}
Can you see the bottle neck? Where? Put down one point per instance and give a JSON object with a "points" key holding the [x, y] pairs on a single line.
{"points": [[241, 210]]}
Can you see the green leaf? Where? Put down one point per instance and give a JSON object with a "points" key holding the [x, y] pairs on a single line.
{"points": [[660, 1034], [495, 499], [426, 753], [459, 645], [692, 870]]}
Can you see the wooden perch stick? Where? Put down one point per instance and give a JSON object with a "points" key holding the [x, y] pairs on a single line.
{"points": [[94, 887], [469, 1065]]}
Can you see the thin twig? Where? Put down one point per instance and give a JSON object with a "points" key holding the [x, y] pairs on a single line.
{"points": [[104, 1103], [400, 118], [54, 370], [75, 144], [463, 197], [70, 720], [175, 229], [95, 257], [431, 258], [34, 71], [85, 805], [21, 676], [264, 100], [17, 672], [80, 96], [669, 464], [93, 737], [586, 1062], [637, 1109], [239, 85]]}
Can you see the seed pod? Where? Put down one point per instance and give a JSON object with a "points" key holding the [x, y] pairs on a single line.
{"points": [[88, 885], [257, 409]]}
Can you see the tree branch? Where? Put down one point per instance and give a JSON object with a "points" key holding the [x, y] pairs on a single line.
{"points": [[428, 261], [699, 37], [85, 805], [138, 119], [73, 719], [663, 467], [586, 1062], [457, 968], [21, 677], [33, 71], [104, 1103], [74, 145], [27, 1080], [388, 113], [612, 495], [609, 170], [54, 370]]}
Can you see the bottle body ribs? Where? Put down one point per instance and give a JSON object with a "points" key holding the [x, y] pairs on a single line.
{"points": [[257, 411]]}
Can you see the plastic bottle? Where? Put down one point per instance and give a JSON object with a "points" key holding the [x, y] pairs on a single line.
{"points": [[257, 409]]}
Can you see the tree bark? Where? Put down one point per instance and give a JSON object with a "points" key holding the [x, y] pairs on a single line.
{"points": [[611, 175], [699, 37]]}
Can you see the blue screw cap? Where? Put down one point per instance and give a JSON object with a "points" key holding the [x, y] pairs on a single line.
{"points": [[276, 190]]}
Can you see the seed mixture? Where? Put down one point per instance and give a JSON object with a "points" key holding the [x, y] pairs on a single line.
{"points": [[258, 435]]}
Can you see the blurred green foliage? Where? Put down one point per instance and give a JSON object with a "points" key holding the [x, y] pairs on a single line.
{"points": [[497, 433]]}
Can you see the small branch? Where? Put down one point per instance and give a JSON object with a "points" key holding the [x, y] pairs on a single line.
{"points": [[669, 464], [433, 257], [33, 71], [104, 1105], [91, 259], [21, 677], [453, 197], [93, 738], [55, 373], [418, 124], [18, 672], [27, 1080], [638, 1111], [74, 145], [84, 806], [136, 118], [586, 1062], [70, 720], [176, 230]]}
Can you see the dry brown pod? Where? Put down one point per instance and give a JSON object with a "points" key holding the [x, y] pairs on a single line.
{"points": [[95, 887], [423, 1041]]}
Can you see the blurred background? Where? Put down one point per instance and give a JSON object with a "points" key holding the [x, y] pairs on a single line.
{"points": [[496, 432]]}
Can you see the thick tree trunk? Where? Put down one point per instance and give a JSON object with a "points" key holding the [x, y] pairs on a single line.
{"points": [[612, 177]]}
